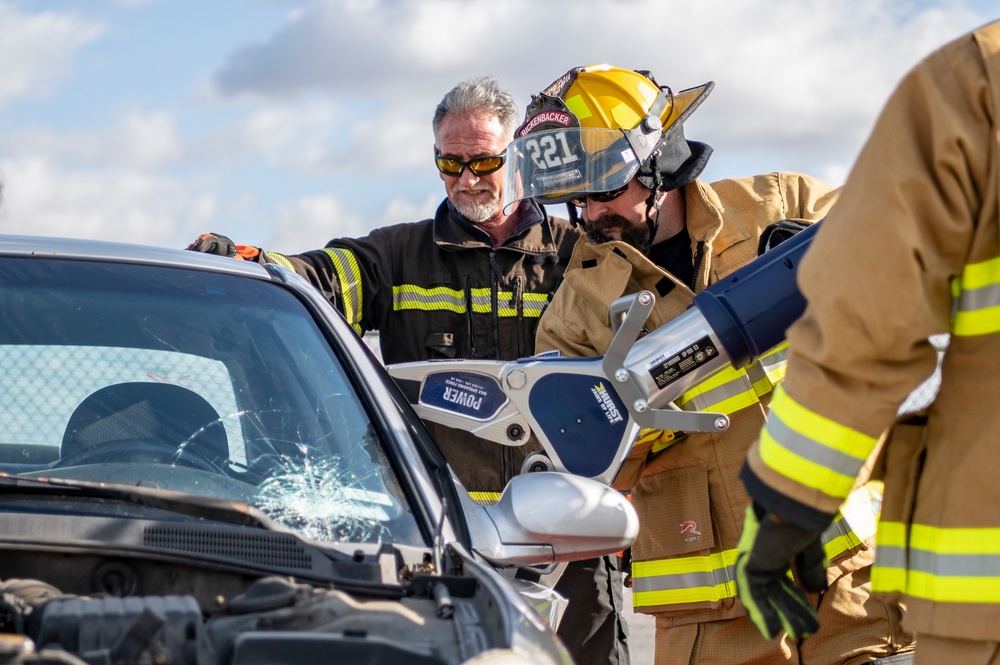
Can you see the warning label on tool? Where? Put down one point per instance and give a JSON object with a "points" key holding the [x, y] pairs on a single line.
{"points": [[681, 360]]}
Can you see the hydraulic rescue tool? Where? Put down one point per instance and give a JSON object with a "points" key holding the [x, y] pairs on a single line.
{"points": [[586, 412]]}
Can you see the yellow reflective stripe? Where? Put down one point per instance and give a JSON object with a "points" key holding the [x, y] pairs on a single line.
{"points": [[730, 390], [953, 589], [411, 296], [856, 521], [693, 579], [948, 565], [889, 572], [978, 294], [349, 275], [443, 298], [810, 449], [661, 438], [485, 498], [481, 301], [280, 259], [534, 303], [955, 541], [726, 391], [891, 534]]}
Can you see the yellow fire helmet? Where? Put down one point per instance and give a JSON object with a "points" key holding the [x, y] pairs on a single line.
{"points": [[595, 128]]}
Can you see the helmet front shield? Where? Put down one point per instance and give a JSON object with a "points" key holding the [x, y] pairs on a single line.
{"points": [[558, 165]]}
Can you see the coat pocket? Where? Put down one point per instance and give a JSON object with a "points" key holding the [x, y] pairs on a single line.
{"points": [[440, 345], [675, 516]]}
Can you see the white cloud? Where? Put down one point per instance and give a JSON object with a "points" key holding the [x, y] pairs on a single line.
{"points": [[297, 136], [137, 140], [311, 222], [43, 198], [36, 49], [346, 89], [800, 79]]}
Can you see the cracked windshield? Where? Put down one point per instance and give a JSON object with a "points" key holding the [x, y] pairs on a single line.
{"points": [[205, 384]]}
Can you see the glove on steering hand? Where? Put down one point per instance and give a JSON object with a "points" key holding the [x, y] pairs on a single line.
{"points": [[764, 578], [220, 245]]}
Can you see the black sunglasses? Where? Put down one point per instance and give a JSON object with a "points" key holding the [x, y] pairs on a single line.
{"points": [[479, 166], [600, 197]]}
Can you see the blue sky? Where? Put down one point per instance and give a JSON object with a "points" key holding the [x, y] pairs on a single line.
{"points": [[285, 123]]}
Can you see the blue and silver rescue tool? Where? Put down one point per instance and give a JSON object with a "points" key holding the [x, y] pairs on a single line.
{"points": [[586, 412]]}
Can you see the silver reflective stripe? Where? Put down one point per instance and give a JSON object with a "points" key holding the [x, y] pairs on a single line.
{"points": [[774, 361], [981, 298], [954, 565], [349, 274], [709, 398], [409, 296], [713, 578], [534, 303], [890, 556], [811, 449], [755, 372], [858, 517]]}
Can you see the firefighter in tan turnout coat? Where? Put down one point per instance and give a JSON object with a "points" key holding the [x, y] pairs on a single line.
{"points": [[652, 225], [917, 228]]}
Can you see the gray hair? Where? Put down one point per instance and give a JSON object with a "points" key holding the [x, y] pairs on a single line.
{"points": [[479, 95]]}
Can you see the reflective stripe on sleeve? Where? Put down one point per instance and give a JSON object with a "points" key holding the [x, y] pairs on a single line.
{"points": [[349, 277], [280, 259], [810, 449], [978, 299], [856, 522]]}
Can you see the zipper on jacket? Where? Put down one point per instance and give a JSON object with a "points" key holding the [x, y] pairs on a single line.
{"points": [[699, 254], [495, 278], [517, 302], [468, 316]]}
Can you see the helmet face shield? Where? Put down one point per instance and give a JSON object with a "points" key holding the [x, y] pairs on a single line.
{"points": [[559, 165]]}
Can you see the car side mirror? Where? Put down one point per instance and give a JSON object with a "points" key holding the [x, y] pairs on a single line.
{"points": [[547, 517]]}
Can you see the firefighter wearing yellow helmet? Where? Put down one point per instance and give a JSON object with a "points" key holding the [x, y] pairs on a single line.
{"points": [[610, 142], [595, 129]]}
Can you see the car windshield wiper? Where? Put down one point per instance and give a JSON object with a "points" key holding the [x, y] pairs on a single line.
{"points": [[234, 512], [339, 566]]}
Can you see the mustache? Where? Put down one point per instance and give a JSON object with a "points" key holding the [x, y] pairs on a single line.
{"points": [[637, 236], [474, 189], [607, 221], [596, 228]]}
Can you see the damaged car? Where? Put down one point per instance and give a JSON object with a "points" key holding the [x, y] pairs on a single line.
{"points": [[201, 463]]}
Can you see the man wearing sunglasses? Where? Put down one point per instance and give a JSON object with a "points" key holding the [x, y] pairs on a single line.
{"points": [[610, 142], [470, 283]]}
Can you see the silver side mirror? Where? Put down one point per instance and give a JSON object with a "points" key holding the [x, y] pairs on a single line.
{"points": [[548, 517]]}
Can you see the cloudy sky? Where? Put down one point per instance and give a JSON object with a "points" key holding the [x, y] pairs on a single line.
{"points": [[285, 123]]}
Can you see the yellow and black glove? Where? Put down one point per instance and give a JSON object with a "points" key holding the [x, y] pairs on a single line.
{"points": [[764, 579], [220, 245]]}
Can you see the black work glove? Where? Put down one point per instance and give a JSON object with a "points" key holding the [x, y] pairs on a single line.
{"points": [[220, 245], [764, 577]]}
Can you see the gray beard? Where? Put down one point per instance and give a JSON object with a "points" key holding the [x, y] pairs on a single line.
{"points": [[478, 212]]}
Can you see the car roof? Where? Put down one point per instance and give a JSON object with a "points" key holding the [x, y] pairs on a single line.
{"points": [[118, 252]]}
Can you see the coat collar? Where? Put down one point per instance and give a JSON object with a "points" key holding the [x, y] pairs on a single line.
{"points": [[532, 236], [623, 269]]}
